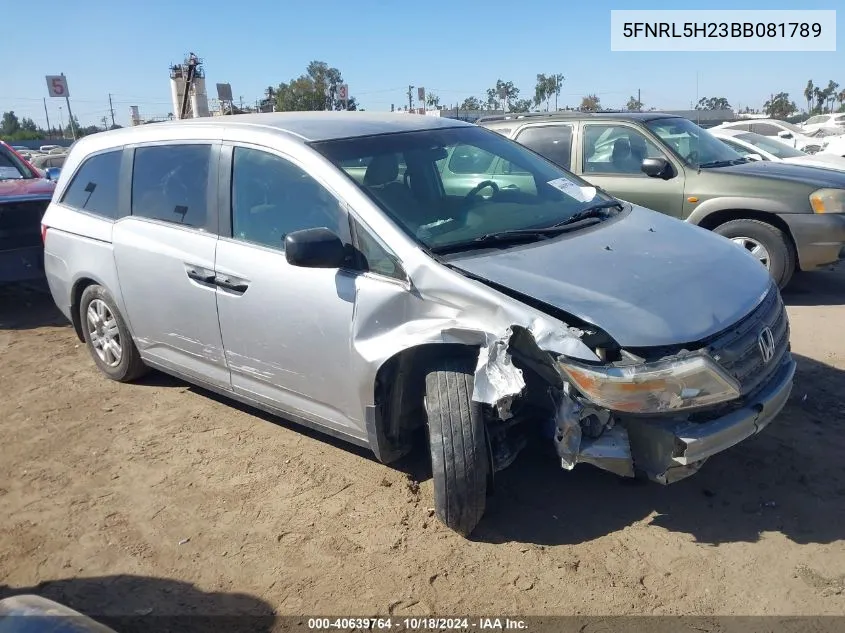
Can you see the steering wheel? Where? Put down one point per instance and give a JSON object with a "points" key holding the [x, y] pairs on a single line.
{"points": [[479, 187]]}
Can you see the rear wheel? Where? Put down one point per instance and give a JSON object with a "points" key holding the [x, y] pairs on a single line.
{"points": [[767, 243], [107, 336], [460, 461]]}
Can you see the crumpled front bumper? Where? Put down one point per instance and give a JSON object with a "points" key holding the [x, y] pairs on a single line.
{"points": [[670, 450]]}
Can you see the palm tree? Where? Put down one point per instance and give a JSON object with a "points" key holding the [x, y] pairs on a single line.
{"points": [[841, 99], [808, 95], [832, 86]]}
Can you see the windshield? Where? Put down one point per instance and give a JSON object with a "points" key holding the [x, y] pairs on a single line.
{"points": [[694, 145], [12, 167], [791, 127], [455, 185], [770, 145]]}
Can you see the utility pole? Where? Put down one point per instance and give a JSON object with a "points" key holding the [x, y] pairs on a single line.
{"points": [[410, 98], [70, 116], [639, 99], [111, 109], [49, 129]]}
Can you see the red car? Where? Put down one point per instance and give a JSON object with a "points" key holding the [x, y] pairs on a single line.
{"points": [[24, 196]]}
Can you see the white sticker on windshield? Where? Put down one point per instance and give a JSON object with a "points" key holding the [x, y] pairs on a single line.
{"points": [[582, 194]]}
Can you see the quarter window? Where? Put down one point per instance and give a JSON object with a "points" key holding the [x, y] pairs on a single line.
{"points": [[272, 197], [170, 183], [94, 188], [618, 149], [553, 142]]}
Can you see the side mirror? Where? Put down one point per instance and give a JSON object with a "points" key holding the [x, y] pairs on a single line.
{"points": [[53, 173], [314, 248], [657, 168], [784, 134], [753, 157]]}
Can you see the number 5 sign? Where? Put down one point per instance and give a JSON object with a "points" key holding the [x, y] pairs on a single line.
{"points": [[57, 86]]}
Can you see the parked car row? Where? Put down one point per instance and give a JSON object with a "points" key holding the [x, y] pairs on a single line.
{"points": [[790, 217], [810, 140], [377, 275]]}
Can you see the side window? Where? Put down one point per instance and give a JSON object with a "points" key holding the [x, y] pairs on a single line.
{"points": [[272, 197], [617, 149], [466, 159], [739, 149], [377, 259], [94, 187], [745, 127], [553, 142], [766, 129], [170, 183]]}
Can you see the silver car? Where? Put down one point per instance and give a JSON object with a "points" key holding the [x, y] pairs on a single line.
{"points": [[326, 268]]}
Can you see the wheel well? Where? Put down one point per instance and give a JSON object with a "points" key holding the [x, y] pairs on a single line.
{"points": [[76, 296], [718, 218], [399, 390]]}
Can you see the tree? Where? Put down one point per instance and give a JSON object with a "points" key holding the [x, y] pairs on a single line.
{"points": [[590, 103], [521, 105], [510, 92], [68, 131], [28, 125], [316, 89], [541, 91], [10, 124], [634, 104], [555, 86], [820, 96], [809, 91], [713, 103], [841, 99], [779, 106], [432, 100], [471, 103], [831, 89]]}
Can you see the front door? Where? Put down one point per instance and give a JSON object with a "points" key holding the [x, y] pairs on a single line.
{"points": [[164, 254], [611, 158], [286, 329]]}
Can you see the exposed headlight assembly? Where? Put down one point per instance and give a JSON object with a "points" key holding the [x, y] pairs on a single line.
{"points": [[828, 201], [663, 386]]}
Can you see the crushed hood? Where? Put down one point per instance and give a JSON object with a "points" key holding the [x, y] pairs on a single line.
{"points": [[645, 278]]}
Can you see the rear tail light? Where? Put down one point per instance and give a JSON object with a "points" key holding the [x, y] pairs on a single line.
{"points": [[43, 233]]}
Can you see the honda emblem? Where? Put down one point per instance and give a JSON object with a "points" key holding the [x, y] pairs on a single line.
{"points": [[766, 343]]}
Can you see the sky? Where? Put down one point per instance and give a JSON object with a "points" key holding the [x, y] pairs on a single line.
{"points": [[454, 49]]}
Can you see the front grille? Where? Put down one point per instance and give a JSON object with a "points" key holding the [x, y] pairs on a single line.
{"points": [[737, 350], [20, 223]]}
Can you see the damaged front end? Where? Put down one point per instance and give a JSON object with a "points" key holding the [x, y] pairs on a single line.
{"points": [[659, 418]]}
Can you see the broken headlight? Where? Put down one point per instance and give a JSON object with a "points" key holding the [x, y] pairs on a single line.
{"points": [[663, 386]]}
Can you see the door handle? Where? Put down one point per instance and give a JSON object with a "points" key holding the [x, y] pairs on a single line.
{"points": [[200, 274], [235, 285]]}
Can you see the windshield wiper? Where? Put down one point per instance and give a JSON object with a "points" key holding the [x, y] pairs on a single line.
{"points": [[724, 163], [593, 211], [512, 236]]}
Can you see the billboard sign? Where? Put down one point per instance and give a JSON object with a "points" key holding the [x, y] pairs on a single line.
{"points": [[57, 86]]}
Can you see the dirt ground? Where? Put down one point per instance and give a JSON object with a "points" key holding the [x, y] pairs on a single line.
{"points": [[159, 498]]}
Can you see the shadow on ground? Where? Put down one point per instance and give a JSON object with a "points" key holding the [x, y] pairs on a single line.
{"points": [[817, 288], [131, 604], [28, 306]]}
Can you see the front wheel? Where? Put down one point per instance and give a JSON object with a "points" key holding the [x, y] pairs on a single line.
{"points": [[460, 462], [767, 243]]}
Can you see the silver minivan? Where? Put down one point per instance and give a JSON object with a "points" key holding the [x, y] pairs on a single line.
{"points": [[331, 268]]}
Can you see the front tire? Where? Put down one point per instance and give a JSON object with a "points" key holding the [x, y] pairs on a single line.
{"points": [[107, 336], [460, 461], [766, 242]]}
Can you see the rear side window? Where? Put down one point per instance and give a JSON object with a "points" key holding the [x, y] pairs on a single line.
{"points": [[94, 187], [170, 183], [766, 129], [553, 142]]}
